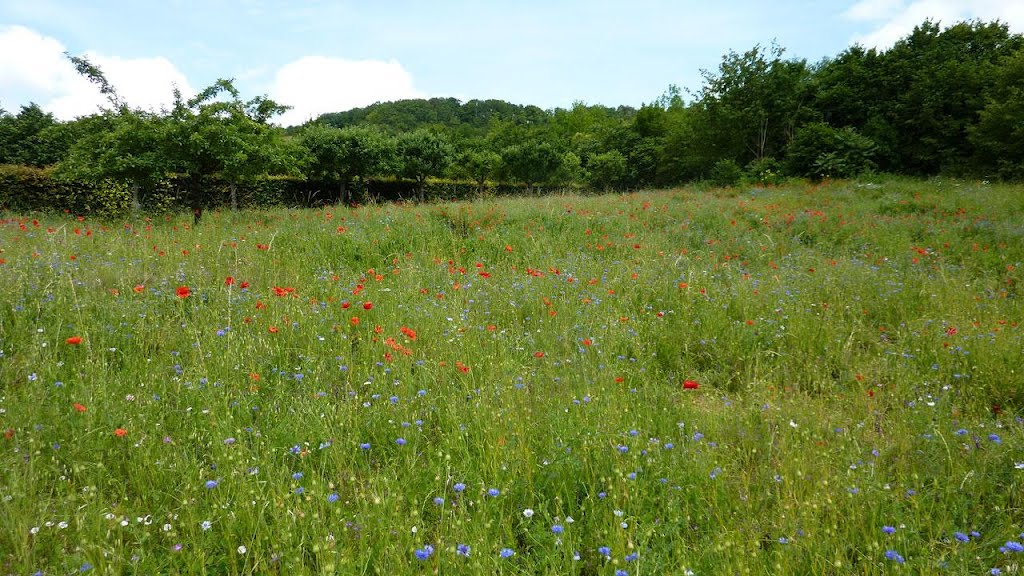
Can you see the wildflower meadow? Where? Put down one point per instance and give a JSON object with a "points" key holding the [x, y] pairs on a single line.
{"points": [[805, 379]]}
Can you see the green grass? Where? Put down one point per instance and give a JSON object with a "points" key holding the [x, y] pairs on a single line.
{"points": [[855, 344]]}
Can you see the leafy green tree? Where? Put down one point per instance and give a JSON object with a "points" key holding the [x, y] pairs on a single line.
{"points": [[344, 155], [121, 144], [478, 163], [32, 138], [607, 170], [423, 154], [531, 162], [217, 133], [126, 146], [998, 137], [754, 102]]}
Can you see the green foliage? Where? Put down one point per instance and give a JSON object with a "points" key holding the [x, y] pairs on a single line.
{"points": [[725, 173], [820, 151], [607, 170], [998, 137], [531, 162], [217, 133], [32, 138], [25, 189], [754, 102], [341, 156], [764, 172], [478, 163], [423, 154]]}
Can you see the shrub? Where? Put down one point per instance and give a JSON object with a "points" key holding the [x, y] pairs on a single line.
{"points": [[764, 172], [725, 173], [820, 151]]}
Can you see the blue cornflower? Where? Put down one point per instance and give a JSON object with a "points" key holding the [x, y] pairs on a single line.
{"points": [[1012, 546], [300, 490], [364, 446], [888, 529], [438, 500], [602, 495], [211, 484], [961, 537], [506, 553], [557, 529], [459, 487], [493, 492], [85, 567], [297, 476], [894, 556], [623, 449], [621, 572], [995, 572], [462, 550], [632, 557], [400, 441], [605, 551], [962, 432], [995, 438], [332, 497], [425, 552]]}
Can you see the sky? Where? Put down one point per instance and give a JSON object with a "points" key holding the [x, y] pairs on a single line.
{"points": [[328, 56]]}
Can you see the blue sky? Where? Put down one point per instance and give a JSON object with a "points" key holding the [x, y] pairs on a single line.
{"points": [[323, 56]]}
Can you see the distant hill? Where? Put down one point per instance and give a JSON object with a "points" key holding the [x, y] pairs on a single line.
{"points": [[469, 118]]}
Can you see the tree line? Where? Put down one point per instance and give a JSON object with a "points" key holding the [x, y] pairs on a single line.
{"points": [[944, 101]]}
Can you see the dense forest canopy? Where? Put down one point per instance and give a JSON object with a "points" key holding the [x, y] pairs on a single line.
{"points": [[940, 101]]}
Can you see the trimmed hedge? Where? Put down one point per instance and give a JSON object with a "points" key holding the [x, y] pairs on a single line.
{"points": [[24, 189]]}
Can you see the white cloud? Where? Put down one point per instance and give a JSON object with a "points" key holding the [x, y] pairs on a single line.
{"points": [[313, 85], [33, 68], [897, 18]]}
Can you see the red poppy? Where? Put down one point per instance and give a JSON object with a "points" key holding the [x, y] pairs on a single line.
{"points": [[538, 354], [244, 285], [345, 305], [272, 329], [354, 321], [183, 292], [367, 305], [229, 281], [79, 407], [74, 340], [587, 342], [690, 385], [138, 288], [120, 432]]}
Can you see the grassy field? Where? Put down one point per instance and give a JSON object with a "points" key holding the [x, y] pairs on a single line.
{"points": [[803, 380]]}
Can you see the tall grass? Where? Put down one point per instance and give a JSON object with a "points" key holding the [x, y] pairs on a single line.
{"points": [[498, 386]]}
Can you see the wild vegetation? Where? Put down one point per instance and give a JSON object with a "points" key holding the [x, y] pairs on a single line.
{"points": [[810, 379]]}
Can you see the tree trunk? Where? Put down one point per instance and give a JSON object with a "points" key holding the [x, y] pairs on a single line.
{"points": [[234, 197], [136, 203], [341, 193]]}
